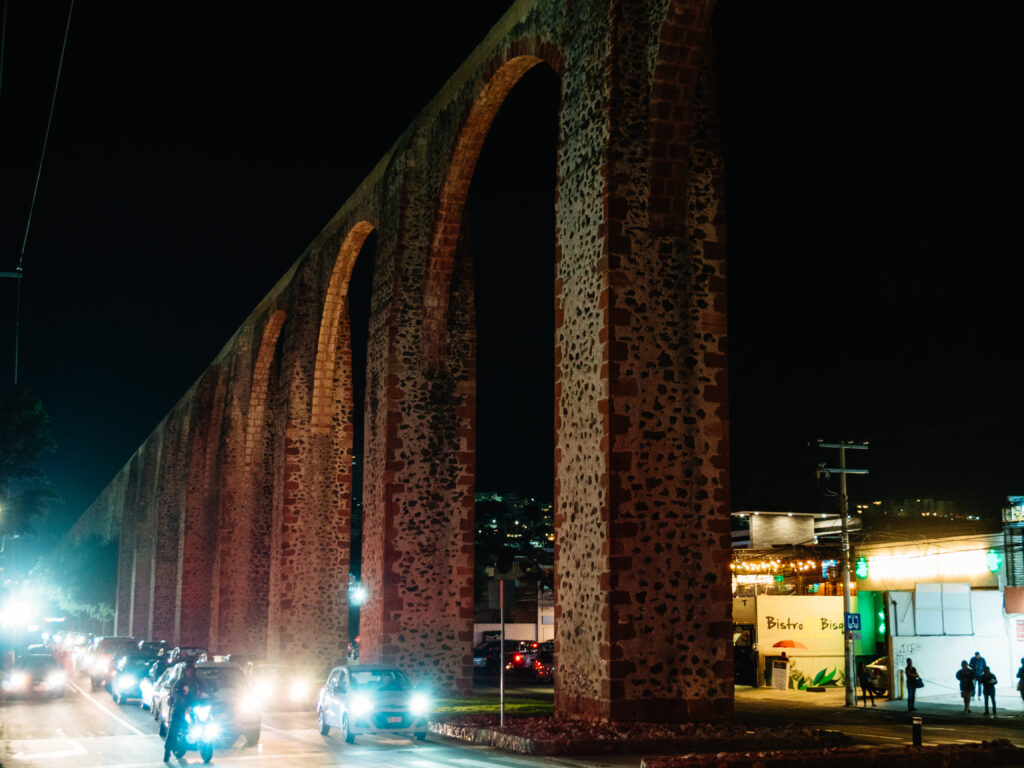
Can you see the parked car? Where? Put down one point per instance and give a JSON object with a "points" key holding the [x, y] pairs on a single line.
{"points": [[371, 699], [103, 656], [544, 666], [233, 705], [485, 655], [281, 686], [127, 676], [878, 674], [148, 683], [36, 674], [161, 690]]}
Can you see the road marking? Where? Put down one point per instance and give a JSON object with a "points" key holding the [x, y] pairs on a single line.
{"points": [[875, 736], [77, 749], [106, 711]]}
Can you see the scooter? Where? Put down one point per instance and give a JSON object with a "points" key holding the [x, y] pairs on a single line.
{"points": [[197, 732]]}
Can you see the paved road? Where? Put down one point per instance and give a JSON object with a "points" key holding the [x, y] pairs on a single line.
{"points": [[89, 729]]}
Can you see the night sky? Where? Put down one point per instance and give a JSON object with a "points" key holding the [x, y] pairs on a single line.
{"points": [[873, 193]]}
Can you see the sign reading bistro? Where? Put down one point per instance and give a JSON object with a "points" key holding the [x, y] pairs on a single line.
{"points": [[800, 625]]}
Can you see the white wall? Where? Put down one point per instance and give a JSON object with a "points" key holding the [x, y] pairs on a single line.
{"points": [[937, 657], [515, 632]]}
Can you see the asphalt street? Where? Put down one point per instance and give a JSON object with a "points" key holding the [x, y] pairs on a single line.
{"points": [[87, 728]]}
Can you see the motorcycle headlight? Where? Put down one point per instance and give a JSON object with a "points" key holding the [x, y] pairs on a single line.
{"points": [[360, 705], [212, 731], [202, 712], [419, 704]]}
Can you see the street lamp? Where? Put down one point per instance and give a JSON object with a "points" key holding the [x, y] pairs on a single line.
{"points": [[16, 275]]}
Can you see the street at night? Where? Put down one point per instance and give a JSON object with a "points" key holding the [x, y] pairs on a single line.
{"points": [[656, 356], [85, 728]]}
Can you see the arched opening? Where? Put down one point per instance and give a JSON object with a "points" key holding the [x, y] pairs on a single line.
{"points": [[339, 390], [506, 253]]}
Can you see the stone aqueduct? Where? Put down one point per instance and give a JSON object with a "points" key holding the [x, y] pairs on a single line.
{"points": [[234, 514]]}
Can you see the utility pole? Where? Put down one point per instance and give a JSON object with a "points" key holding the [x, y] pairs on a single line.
{"points": [[16, 275], [844, 511]]}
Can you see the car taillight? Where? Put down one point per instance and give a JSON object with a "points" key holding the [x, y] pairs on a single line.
{"points": [[518, 658]]}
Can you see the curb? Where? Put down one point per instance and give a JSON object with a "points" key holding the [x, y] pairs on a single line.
{"points": [[508, 742]]}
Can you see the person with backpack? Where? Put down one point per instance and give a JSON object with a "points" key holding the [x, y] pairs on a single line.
{"points": [[966, 678], [988, 684]]}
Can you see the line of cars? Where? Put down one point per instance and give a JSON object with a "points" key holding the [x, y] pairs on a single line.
{"points": [[521, 658], [355, 700]]}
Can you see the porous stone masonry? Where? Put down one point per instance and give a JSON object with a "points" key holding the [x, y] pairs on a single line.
{"points": [[234, 516]]}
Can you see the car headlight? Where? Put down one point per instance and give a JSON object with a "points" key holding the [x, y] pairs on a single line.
{"points": [[299, 690], [264, 689], [56, 680], [360, 705], [249, 704], [419, 704], [17, 681], [124, 682]]}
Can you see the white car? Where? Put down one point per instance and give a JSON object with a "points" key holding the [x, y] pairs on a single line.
{"points": [[234, 705], [372, 699]]}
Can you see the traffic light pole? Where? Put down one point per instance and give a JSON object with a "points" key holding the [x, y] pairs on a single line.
{"points": [[844, 512]]}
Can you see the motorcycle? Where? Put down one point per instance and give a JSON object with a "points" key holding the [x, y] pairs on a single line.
{"points": [[197, 732]]}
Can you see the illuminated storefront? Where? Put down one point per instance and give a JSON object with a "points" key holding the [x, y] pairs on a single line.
{"points": [[938, 601]]}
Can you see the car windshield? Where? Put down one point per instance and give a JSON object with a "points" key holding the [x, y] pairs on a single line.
{"points": [[38, 662], [271, 672], [380, 680], [212, 679], [137, 667]]}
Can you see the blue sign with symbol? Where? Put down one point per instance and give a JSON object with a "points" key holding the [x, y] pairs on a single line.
{"points": [[852, 621]]}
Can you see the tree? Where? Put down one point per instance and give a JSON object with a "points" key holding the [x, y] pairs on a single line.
{"points": [[24, 439], [80, 576]]}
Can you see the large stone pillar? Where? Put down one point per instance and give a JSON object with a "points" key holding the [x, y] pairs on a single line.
{"points": [[643, 594], [171, 493]]}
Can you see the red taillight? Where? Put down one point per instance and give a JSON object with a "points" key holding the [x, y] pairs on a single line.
{"points": [[518, 658]]}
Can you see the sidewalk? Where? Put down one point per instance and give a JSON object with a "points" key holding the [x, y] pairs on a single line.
{"points": [[946, 705]]}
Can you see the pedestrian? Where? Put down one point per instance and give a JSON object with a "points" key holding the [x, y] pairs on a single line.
{"points": [[966, 678], [913, 683], [978, 665], [866, 689], [988, 684], [1020, 680]]}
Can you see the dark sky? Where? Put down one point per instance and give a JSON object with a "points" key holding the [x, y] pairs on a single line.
{"points": [[873, 192]]}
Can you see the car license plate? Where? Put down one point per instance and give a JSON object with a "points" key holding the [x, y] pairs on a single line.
{"points": [[394, 719]]}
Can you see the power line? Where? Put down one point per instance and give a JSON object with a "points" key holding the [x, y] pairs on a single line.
{"points": [[46, 136], [17, 274]]}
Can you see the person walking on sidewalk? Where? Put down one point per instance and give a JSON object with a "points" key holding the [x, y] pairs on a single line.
{"points": [[1020, 680], [978, 664], [988, 684], [966, 678], [866, 689], [913, 683]]}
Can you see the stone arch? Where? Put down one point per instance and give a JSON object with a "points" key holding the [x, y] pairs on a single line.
{"points": [[519, 60], [683, 43], [334, 324], [260, 381]]}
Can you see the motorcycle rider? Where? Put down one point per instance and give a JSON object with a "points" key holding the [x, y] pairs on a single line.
{"points": [[182, 696]]}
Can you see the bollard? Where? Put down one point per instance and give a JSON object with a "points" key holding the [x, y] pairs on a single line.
{"points": [[917, 730]]}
